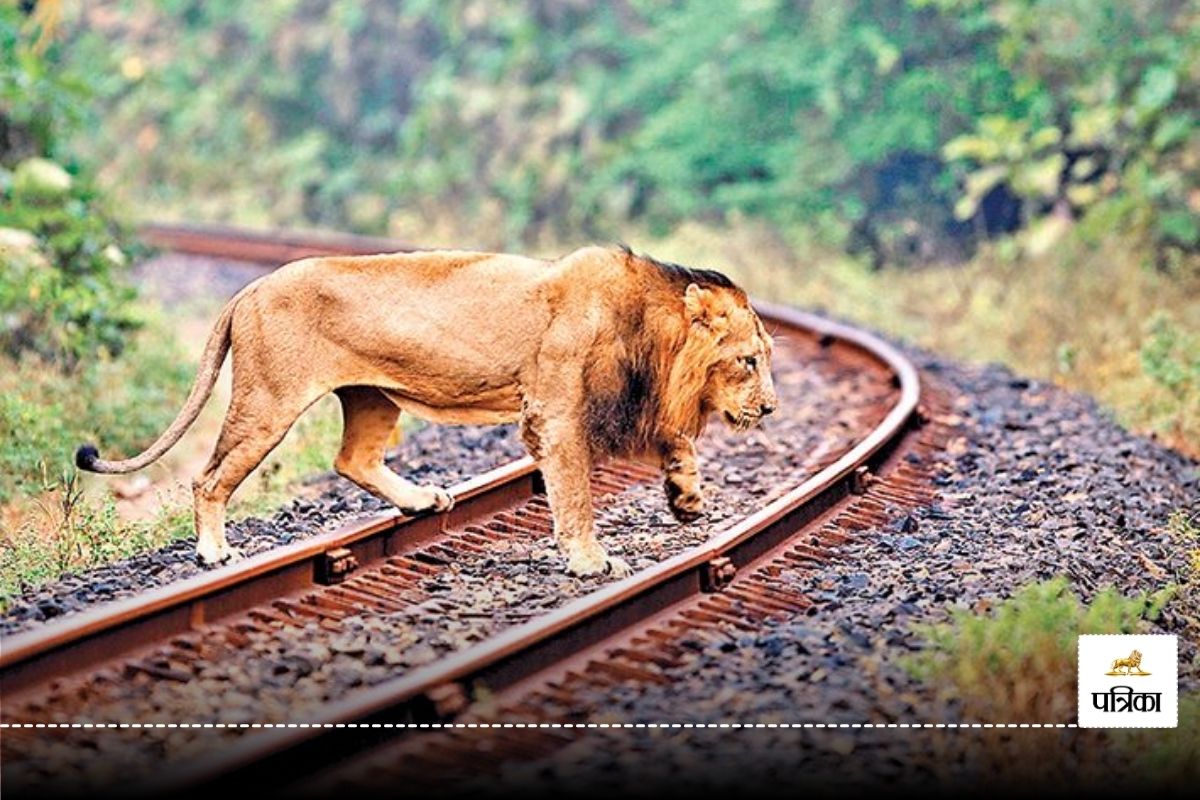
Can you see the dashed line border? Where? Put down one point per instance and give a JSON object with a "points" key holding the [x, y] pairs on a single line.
{"points": [[446, 725]]}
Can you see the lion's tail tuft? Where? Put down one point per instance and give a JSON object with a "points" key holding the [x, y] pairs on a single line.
{"points": [[86, 457]]}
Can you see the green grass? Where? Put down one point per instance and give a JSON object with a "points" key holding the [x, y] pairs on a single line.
{"points": [[124, 403], [48, 523], [63, 530], [1018, 665]]}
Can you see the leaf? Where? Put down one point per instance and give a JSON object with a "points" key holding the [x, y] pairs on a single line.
{"points": [[1156, 89], [1093, 126], [965, 208], [1174, 129], [1180, 226], [1082, 168], [982, 181], [1045, 137], [1083, 194], [1040, 178], [975, 147]]}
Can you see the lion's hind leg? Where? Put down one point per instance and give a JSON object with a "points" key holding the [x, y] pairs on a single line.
{"points": [[369, 419], [254, 424]]}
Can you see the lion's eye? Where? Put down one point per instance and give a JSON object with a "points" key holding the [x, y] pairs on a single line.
{"points": [[751, 362]]}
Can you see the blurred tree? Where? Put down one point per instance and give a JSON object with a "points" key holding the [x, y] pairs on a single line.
{"points": [[61, 257], [906, 128], [1105, 113]]}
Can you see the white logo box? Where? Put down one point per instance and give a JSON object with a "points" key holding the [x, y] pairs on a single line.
{"points": [[1130, 700]]}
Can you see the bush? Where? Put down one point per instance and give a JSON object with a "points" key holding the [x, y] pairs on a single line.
{"points": [[61, 294], [1018, 664], [61, 254], [1104, 113]]}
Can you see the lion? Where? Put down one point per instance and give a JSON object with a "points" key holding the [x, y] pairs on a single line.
{"points": [[1128, 664], [601, 353]]}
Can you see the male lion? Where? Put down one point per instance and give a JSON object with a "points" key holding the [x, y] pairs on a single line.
{"points": [[601, 353]]}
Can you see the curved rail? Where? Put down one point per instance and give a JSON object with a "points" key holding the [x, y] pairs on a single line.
{"points": [[526, 649], [501, 661], [98, 634]]}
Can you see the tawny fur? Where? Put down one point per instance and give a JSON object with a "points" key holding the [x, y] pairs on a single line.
{"points": [[597, 354]]}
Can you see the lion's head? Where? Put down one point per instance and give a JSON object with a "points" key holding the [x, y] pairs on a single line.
{"points": [[730, 341], [688, 345]]}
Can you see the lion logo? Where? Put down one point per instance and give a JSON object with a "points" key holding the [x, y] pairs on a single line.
{"points": [[1126, 666]]}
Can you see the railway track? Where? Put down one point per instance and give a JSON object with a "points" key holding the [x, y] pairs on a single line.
{"points": [[528, 664]]}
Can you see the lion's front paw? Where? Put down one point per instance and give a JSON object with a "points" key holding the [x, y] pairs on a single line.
{"points": [[587, 562], [432, 500], [686, 506], [213, 555], [617, 567]]}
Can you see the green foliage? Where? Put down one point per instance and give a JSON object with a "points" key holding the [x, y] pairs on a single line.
{"points": [[1104, 112], [73, 532], [278, 112], [1170, 356], [46, 414], [525, 119], [61, 296], [39, 101], [1018, 664]]}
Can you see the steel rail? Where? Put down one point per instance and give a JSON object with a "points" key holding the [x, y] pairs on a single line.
{"points": [[263, 247], [502, 661], [99, 634], [525, 650]]}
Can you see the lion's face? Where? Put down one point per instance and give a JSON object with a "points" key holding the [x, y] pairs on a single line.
{"points": [[738, 384]]}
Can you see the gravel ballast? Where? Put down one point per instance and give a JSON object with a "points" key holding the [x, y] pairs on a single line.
{"points": [[1040, 483], [281, 674], [434, 454]]}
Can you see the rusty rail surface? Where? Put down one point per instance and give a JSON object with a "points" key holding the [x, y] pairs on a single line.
{"points": [[262, 247], [499, 663], [90, 637]]}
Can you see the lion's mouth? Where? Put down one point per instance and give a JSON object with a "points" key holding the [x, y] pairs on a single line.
{"points": [[742, 421]]}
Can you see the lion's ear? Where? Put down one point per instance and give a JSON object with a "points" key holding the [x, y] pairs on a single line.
{"points": [[701, 305]]}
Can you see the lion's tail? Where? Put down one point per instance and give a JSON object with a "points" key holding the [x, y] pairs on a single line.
{"points": [[88, 457]]}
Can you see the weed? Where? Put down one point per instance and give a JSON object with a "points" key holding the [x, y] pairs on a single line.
{"points": [[1019, 665], [70, 531]]}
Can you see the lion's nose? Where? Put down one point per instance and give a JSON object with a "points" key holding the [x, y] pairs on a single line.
{"points": [[766, 408]]}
